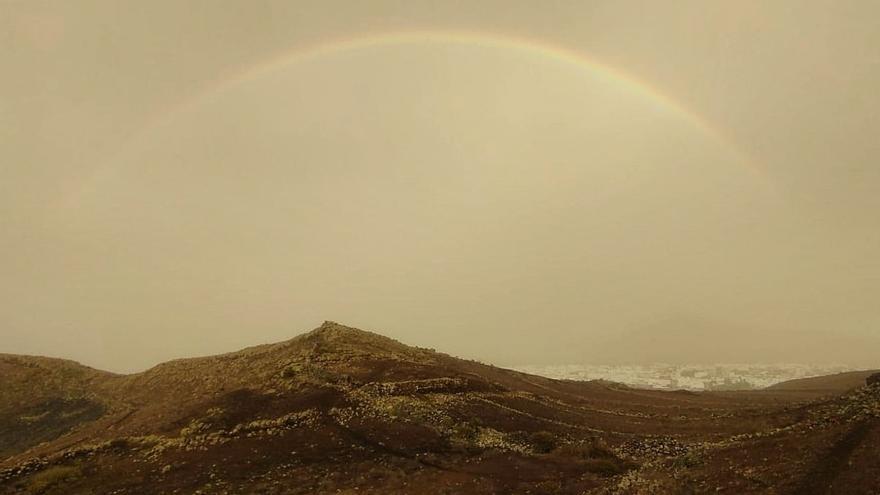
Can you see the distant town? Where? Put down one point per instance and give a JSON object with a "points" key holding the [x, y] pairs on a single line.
{"points": [[688, 376]]}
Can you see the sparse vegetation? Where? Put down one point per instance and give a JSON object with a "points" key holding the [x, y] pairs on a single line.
{"points": [[590, 449], [343, 411], [606, 467], [689, 460], [53, 477], [44, 420], [543, 441]]}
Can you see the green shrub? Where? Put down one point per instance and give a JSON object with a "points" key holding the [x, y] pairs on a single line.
{"points": [[543, 441], [465, 431], [605, 467], [51, 477], [596, 449], [119, 444], [689, 460]]}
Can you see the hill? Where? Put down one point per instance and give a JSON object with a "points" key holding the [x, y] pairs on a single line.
{"points": [[341, 410], [43, 398], [840, 382]]}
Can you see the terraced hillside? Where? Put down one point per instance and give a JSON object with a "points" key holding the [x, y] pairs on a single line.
{"points": [[340, 410]]}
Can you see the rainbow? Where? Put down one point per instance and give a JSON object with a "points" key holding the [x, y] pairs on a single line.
{"points": [[534, 47]]}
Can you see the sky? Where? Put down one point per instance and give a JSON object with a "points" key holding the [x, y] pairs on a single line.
{"points": [[515, 182]]}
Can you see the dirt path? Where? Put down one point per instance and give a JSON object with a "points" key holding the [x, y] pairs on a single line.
{"points": [[823, 473]]}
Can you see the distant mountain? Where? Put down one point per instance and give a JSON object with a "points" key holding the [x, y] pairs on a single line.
{"points": [[341, 410]]}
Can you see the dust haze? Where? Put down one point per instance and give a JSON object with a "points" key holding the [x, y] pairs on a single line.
{"points": [[611, 182]]}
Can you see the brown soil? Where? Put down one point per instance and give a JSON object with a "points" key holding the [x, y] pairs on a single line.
{"points": [[339, 410]]}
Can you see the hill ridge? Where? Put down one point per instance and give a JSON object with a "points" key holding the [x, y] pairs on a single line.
{"points": [[343, 409]]}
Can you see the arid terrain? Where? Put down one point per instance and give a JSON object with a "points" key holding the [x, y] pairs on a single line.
{"points": [[697, 377], [340, 410]]}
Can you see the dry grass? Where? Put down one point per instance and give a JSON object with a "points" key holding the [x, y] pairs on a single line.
{"points": [[53, 477]]}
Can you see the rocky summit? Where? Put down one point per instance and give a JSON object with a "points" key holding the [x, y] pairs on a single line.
{"points": [[341, 410]]}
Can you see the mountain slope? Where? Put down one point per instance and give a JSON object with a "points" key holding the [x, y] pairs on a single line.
{"points": [[343, 410], [43, 398], [840, 382]]}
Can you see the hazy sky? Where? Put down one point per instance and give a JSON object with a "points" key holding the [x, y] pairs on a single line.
{"points": [[519, 182]]}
